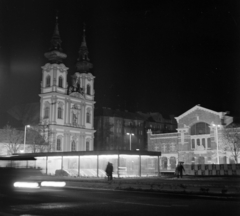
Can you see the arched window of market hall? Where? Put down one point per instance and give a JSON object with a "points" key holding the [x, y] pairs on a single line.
{"points": [[200, 136], [200, 128]]}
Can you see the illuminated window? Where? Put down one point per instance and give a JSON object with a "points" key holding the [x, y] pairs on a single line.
{"points": [[73, 147], [59, 144], [59, 112], [88, 89], [60, 82], [48, 81]]}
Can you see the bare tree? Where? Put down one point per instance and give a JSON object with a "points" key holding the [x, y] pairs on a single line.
{"points": [[12, 139], [40, 139], [231, 141]]}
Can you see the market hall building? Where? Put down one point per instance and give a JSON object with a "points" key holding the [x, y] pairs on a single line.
{"points": [[196, 141]]}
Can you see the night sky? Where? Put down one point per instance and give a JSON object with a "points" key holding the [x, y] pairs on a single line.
{"points": [[157, 56]]}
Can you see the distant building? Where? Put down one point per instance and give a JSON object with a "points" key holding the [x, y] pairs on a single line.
{"points": [[114, 128], [195, 142]]}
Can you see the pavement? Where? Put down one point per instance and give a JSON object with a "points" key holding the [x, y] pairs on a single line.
{"points": [[212, 187]]}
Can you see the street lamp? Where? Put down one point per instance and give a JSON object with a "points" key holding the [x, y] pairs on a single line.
{"points": [[217, 126], [130, 135], [25, 131]]}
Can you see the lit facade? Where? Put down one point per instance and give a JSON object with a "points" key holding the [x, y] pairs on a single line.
{"points": [[196, 141], [67, 110]]}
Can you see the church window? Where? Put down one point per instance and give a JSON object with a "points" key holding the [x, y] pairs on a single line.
{"points": [[73, 147], [46, 111], [88, 116], [48, 81], [59, 112], [59, 144], [60, 82], [88, 145], [88, 89]]}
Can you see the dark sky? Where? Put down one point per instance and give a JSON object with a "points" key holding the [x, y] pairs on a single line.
{"points": [[157, 56]]}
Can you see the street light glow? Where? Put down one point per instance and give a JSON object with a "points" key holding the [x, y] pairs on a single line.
{"points": [[130, 135]]}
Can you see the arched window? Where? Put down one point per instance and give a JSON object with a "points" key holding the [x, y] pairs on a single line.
{"points": [[48, 81], [73, 147], [87, 145], [200, 128], [88, 116], [46, 111], [59, 144], [173, 162], [60, 82], [88, 89], [164, 163], [59, 112]]}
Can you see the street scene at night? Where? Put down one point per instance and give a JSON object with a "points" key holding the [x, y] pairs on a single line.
{"points": [[119, 108]]}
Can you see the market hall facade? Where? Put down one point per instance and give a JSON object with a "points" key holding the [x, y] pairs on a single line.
{"points": [[196, 141]]}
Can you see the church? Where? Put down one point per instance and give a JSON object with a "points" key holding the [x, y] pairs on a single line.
{"points": [[67, 110]]}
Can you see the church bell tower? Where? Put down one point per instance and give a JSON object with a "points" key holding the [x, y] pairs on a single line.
{"points": [[67, 110]]}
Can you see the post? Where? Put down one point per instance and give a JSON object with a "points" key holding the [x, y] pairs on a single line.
{"points": [[25, 133], [130, 143], [217, 144], [216, 126], [130, 138]]}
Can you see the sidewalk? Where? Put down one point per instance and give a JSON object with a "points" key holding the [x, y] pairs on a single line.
{"points": [[218, 187]]}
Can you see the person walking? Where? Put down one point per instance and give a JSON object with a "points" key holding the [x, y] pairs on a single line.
{"points": [[180, 170], [177, 171], [109, 171]]}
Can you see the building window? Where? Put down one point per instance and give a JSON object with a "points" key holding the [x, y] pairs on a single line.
{"points": [[203, 143], [73, 147], [59, 112], [87, 145], [198, 142], [193, 143], [58, 144], [46, 111], [209, 143], [48, 81], [60, 82], [88, 89], [200, 128]]}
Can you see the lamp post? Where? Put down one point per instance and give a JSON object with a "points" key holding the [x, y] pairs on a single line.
{"points": [[217, 126], [130, 135], [25, 132]]}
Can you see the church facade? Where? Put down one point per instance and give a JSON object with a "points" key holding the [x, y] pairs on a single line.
{"points": [[67, 110], [197, 140]]}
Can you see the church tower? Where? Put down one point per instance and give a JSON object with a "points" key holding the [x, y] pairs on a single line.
{"points": [[67, 111]]}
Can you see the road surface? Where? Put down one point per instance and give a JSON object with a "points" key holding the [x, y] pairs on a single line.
{"points": [[72, 202]]}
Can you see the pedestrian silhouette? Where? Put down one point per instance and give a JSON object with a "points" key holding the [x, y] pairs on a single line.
{"points": [[109, 171]]}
